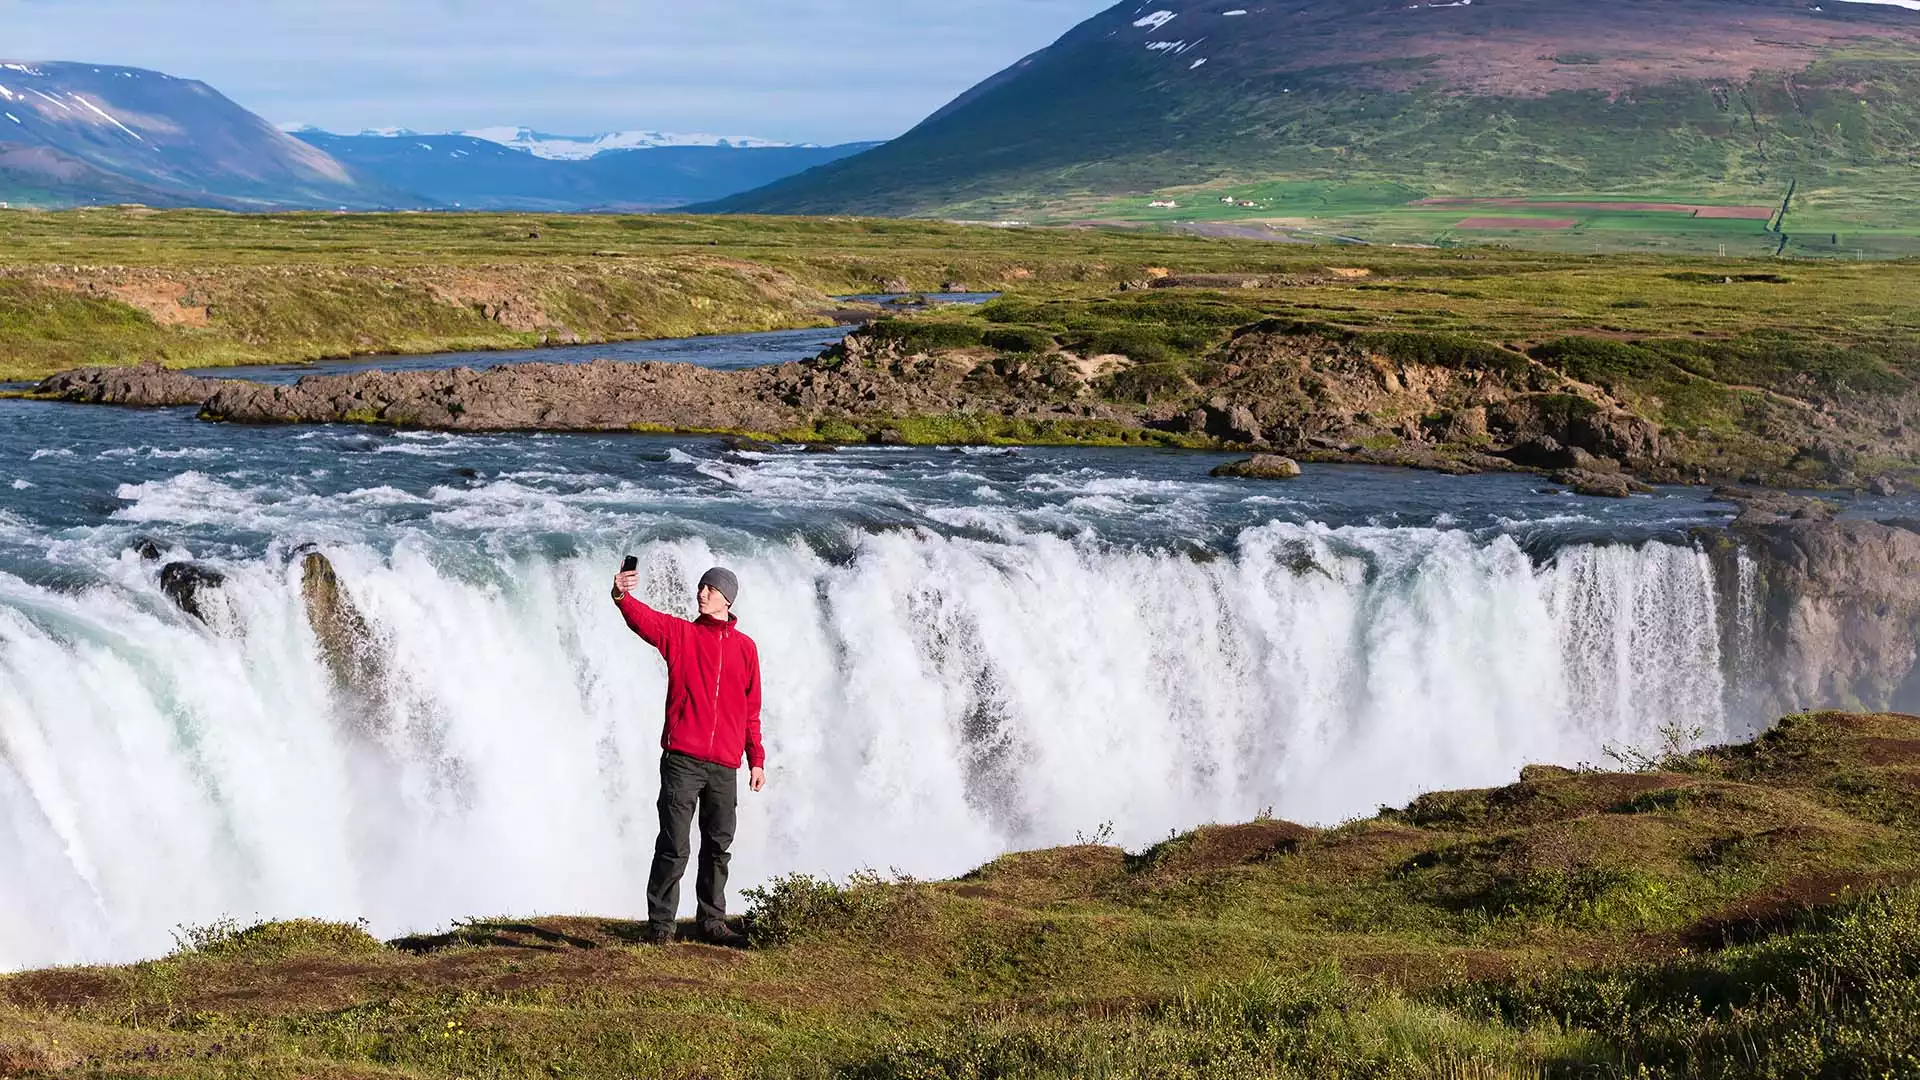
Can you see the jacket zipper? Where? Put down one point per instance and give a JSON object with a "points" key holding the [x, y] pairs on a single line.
{"points": [[713, 729]]}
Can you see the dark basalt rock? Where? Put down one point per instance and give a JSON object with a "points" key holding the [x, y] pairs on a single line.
{"points": [[147, 386], [348, 646], [1760, 506], [188, 585], [737, 444], [1604, 485], [1547, 452], [1260, 467]]}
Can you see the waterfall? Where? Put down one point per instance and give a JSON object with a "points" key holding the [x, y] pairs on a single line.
{"points": [[932, 701]]}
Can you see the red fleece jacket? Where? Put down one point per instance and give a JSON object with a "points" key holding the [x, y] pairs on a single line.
{"points": [[713, 684]]}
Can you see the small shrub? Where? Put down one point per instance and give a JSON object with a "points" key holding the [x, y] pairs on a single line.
{"points": [[1446, 810], [1676, 741], [799, 906], [839, 431], [1018, 339], [1141, 344], [1101, 836], [274, 940], [1010, 310]]}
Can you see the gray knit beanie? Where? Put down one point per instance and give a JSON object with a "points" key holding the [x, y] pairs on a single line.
{"points": [[723, 580]]}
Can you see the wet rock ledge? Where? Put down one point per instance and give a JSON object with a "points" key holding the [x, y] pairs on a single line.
{"points": [[1281, 388]]}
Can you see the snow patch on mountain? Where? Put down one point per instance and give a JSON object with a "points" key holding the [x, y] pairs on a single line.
{"points": [[571, 147], [1910, 5], [105, 115], [581, 147]]}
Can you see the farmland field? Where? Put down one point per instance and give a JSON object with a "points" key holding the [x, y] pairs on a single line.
{"points": [[1733, 223]]}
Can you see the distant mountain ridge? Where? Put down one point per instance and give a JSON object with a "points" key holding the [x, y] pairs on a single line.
{"points": [[467, 172], [581, 147], [1449, 96], [74, 133], [568, 147]]}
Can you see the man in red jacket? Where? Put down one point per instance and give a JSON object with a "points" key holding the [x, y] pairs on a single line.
{"points": [[713, 717]]}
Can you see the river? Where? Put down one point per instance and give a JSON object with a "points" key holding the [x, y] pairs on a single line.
{"points": [[966, 652]]}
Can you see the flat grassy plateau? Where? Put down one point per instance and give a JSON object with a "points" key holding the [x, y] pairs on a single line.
{"points": [[1738, 912], [196, 289]]}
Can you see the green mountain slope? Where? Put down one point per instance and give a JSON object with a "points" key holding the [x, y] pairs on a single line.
{"points": [[1482, 97]]}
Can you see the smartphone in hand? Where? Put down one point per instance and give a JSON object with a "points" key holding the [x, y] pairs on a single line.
{"points": [[627, 566]]}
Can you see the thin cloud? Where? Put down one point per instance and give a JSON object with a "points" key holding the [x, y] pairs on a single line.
{"points": [[812, 70]]}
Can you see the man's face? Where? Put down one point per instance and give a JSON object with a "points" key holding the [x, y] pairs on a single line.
{"points": [[712, 604]]}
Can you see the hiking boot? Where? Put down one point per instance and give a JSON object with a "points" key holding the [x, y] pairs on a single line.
{"points": [[719, 933], [656, 934]]}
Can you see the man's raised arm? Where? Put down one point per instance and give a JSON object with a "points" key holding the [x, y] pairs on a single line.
{"points": [[655, 628]]}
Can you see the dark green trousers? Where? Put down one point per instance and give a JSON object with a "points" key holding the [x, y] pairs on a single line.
{"points": [[689, 785]]}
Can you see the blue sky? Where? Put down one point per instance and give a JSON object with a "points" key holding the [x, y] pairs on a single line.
{"points": [[801, 70]]}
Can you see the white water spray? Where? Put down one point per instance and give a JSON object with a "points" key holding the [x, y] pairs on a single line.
{"points": [[932, 702]]}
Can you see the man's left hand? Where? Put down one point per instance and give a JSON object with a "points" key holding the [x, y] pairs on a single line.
{"points": [[757, 779]]}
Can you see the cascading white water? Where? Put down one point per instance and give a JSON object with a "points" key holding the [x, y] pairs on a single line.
{"points": [[932, 702]]}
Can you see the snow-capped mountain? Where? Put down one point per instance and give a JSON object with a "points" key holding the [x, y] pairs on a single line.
{"points": [[580, 147], [544, 144], [462, 170]]}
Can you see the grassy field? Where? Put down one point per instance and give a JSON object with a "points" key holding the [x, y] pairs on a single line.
{"points": [[196, 288], [1832, 223], [1734, 913], [201, 288]]}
